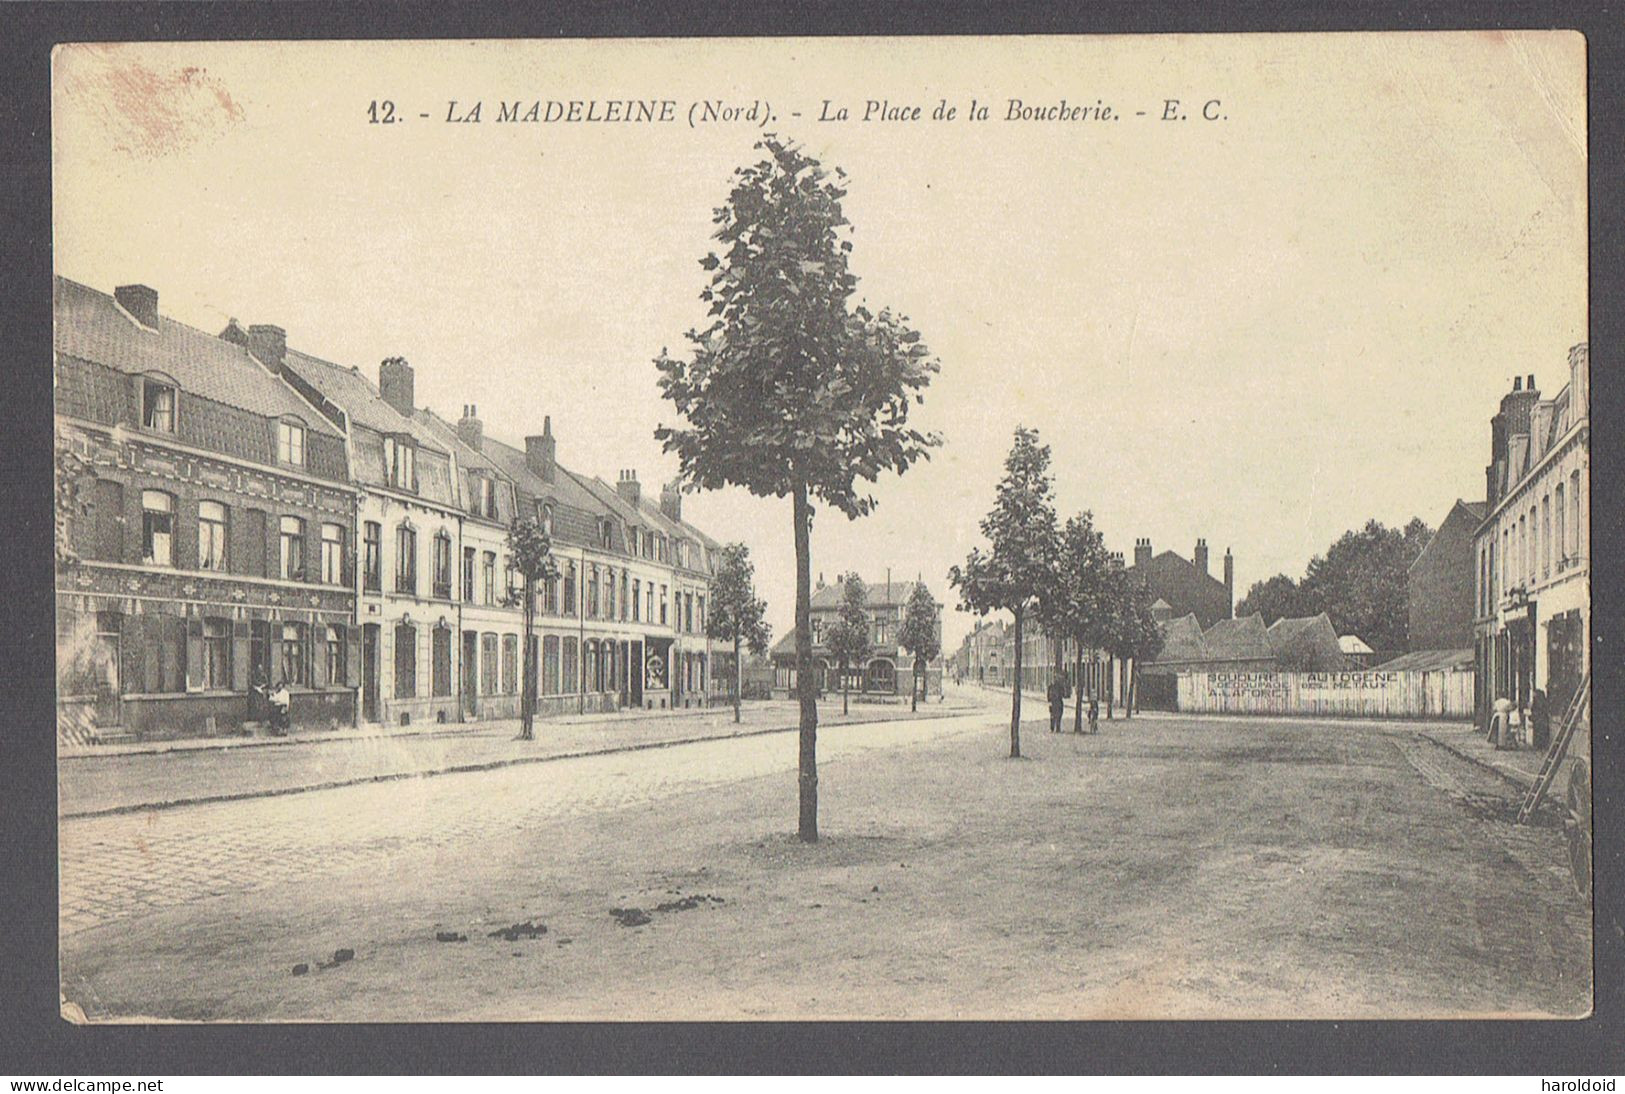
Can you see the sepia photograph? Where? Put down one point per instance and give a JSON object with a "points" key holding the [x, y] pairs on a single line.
{"points": [[1039, 527]]}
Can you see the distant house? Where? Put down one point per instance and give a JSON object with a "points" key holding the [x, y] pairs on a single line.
{"points": [[1238, 645], [1306, 644], [889, 669], [1439, 586], [1184, 587], [1356, 652]]}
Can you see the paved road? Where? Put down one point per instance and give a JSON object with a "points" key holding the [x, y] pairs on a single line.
{"points": [[117, 866]]}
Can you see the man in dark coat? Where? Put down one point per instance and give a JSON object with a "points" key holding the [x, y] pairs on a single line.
{"points": [[1057, 705]]}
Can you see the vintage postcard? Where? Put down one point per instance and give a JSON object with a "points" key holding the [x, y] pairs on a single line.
{"points": [[792, 528]]}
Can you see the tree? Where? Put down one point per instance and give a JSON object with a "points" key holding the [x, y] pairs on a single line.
{"points": [[790, 390], [1277, 598], [1360, 582], [530, 553], [1135, 637], [848, 637], [920, 635], [1078, 609], [1018, 568], [737, 613]]}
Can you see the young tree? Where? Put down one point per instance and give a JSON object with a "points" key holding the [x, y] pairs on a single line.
{"points": [[530, 553], [1135, 637], [1018, 568], [848, 637], [737, 613], [1078, 606], [920, 635], [790, 390]]}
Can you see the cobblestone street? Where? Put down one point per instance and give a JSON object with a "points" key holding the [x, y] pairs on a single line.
{"points": [[1170, 867]]}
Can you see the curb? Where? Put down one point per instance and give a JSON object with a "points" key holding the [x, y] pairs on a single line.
{"points": [[1508, 777], [463, 769]]}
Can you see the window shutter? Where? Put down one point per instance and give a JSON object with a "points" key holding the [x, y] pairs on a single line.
{"points": [[194, 654], [352, 657], [240, 655]]}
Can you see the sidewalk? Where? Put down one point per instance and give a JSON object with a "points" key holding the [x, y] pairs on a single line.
{"points": [[1517, 766], [127, 778]]}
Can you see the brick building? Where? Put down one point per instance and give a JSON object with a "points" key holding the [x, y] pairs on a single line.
{"points": [[1185, 587], [889, 669], [1532, 552], [214, 551], [1439, 584]]}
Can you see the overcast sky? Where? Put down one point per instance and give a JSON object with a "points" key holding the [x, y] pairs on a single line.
{"points": [[1261, 330]]}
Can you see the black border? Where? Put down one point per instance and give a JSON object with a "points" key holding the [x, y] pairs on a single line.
{"points": [[34, 1040]]}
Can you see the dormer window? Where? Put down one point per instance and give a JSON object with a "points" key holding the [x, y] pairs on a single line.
{"points": [[485, 497], [547, 520], [290, 443], [606, 536], [400, 463], [158, 405]]}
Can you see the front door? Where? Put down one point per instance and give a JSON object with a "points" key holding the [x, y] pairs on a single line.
{"points": [[369, 672], [636, 674]]}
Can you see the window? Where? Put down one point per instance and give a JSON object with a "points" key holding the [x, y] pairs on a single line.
{"points": [[335, 655], [485, 499], [290, 443], [1560, 536], [606, 537], [406, 661], [293, 549], [442, 566], [649, 596], [158, 406], [217, 654], [1546, 535], [550, 596], [570, 589], [157, 528], [488, 664], [609, 592], [468, 573], [1574, 512], [440, 662], [700, 616], [510, 665], [662, 606], [688, 613], [372, 541], [547, 520], [293, 655], [211, 535], [637, 600], [490, 577], [406, 560], [332, 554], [400, 463], [163, 669], [624, 596], [592, 591]]}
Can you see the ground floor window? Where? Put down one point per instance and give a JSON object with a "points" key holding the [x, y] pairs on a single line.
{"points": [[335, 656], [882, 676], [510, 665], [217, 654], [488, 665], [550, 665], [294, 669], [567, 667], [406, 661], [440, 668]]}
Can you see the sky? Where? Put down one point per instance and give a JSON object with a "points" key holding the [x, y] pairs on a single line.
{"points": [[1261, 330]]}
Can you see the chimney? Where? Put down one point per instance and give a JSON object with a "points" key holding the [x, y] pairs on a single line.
{"points": [[1200, 558], [820, 579], [234, 333], [269, 345], [1229, 583], [540, 452], [395, 384], [1142, 550], [1579, 382], [470, 430], [629, 490], [671, 500], [140, 301]]}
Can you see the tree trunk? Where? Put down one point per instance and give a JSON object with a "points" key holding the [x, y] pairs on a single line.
{"points": [[1015, 698], [1129, 667], [1077, 703], [1111, 684], [527, 698], [846, 687], [807, 828], [739, 680], [914, 692]]}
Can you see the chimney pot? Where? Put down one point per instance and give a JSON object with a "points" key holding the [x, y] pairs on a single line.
{"points": [[141, 301], [1517, 383], [470, 430], [629, 489]]}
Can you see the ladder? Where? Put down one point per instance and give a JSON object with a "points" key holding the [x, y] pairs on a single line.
{"points": [[1559, 748]]}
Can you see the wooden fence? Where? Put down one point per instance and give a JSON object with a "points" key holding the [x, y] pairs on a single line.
{"points": [[1365, 694]]}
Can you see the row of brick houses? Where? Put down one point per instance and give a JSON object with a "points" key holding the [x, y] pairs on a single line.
{"points": [[254, 515]]}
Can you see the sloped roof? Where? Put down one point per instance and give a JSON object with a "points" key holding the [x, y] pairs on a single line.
{"points": [[350, 391], [830, 595], [1308, 641], [564, 487], [1181, 640], [90, 325], [1353, 643], [1430, 661], [1244, 639]]}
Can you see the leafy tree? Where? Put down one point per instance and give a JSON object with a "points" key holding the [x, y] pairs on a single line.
{"points": [[1360, 582], [530, 552], [1276, 598], [1135, 638], [848, 637], [920, 635], [737, 613], [1078, 610], [1019, 567], [790, 390]]}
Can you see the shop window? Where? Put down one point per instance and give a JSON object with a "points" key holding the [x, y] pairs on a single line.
{"points": [[157, 528], [211, 535]]}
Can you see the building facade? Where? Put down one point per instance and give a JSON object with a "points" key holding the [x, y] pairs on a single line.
{"points": [[1185, 587], [1439, 587], [210, 560], [889, 669], [1532, 552]]}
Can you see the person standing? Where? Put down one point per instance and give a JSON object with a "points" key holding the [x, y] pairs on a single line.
{"points": [[1094, 713], [1057, 705]]}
